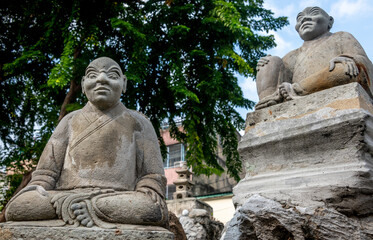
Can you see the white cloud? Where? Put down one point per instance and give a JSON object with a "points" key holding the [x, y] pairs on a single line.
{"points": [[248, 87], [283, 46], [350, 8], [280, 10], [308, 3]]}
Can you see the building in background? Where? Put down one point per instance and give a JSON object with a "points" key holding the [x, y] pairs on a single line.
{"points": [[214, 190]]}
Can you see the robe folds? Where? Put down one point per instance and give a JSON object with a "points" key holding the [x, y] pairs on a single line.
{"points": [[115, 149], [315, 55]]}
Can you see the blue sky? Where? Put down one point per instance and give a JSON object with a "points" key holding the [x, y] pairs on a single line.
{"points": [[353, 16]]}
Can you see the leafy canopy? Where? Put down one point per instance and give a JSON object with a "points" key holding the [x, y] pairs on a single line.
{"points": [[180, 58]]}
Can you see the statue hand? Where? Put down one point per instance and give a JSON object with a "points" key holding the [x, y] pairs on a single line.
{"points": [[262, 62], [37, 188], [153, 195], [348, 63]]}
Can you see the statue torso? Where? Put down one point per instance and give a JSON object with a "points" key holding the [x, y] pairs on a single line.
{"points": [[315, 55], [102, 150]]}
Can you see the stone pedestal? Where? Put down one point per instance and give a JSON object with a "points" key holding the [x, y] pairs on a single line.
{"points": [[178, 205], [314, 152], [53, 230]]}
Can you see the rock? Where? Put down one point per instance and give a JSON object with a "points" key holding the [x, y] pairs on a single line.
{"points": [[175, 227], [263, 218], [198, 213], [199, 226], [185, 212]]}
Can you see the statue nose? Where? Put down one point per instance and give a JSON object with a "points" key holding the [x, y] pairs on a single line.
{"points": [[305, 19], [102, 78]]}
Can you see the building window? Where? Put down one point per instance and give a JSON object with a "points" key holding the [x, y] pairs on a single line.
{"points": [[175, 156]]}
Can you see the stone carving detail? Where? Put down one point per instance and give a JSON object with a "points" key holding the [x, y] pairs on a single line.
{"points": [[323, 61], [102, 165], [183, 183]]}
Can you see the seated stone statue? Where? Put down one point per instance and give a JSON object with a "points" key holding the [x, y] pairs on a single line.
{"points": [[102, 166], [323, 61]]}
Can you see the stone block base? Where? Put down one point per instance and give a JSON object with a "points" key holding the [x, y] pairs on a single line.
{"points": [[23, 231], [315, 151]]}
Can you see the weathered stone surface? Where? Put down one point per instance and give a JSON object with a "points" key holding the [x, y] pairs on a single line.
{"points": [[325, 60], [199, 226], [262, 218], [102, 165], [176, 228], [125, 232], [314, 151], [178, 205]]}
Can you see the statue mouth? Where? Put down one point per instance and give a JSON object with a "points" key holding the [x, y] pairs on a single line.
{"points": [[102, 89], [305, 25]]}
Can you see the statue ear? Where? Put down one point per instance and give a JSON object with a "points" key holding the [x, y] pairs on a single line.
{"points": [[82, 83], [125, 83], [331, 21]]}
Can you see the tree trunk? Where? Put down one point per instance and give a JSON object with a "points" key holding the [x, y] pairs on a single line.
{"points": [[70, 96], [73, 90]]}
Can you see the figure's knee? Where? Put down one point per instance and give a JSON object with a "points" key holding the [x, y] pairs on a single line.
{"points": [[267, 78], [134, 208], [30, 206]]}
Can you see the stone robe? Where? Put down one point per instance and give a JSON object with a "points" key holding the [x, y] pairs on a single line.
{"points": [[110, 160], [90, 149], [309, 64]]}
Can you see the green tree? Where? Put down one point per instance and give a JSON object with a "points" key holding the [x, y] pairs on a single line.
{"points": [[180, 57]]}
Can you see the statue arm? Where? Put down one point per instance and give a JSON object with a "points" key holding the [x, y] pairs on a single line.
{"points": [[353, 52], [350, 65], [150, 165], [51, 160]]}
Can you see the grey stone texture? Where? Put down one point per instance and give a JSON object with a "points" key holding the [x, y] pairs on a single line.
{"points": [[175, 227], [314, 151], [177, 206], [198, 225], [309, 169], [323, 61], [261, 218], [124, 232], [102, 165]]}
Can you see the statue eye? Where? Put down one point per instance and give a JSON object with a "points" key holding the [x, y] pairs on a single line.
{"points": [[299, 17], [113, 75], [92, 75]]}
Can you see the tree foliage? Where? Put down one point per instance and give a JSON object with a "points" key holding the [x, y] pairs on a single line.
{"points": [[181, 58]]}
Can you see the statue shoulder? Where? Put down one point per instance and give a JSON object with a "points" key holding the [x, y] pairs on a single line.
{"points": [[140, 118], [343, 36], [69, 116]]}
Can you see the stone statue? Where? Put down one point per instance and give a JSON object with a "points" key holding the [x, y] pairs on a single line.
{"points": [[323, 61], [101, 167]]}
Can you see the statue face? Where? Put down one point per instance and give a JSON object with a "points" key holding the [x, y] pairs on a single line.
{"points": [[313, 22], [103, 83]]}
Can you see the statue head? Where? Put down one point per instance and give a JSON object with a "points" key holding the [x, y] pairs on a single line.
{"points": [[313, 22], [103, 82]]}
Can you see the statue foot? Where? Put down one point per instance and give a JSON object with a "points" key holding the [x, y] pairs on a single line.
{"points": [[270, 100], [82, 215], [288, 91]]}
